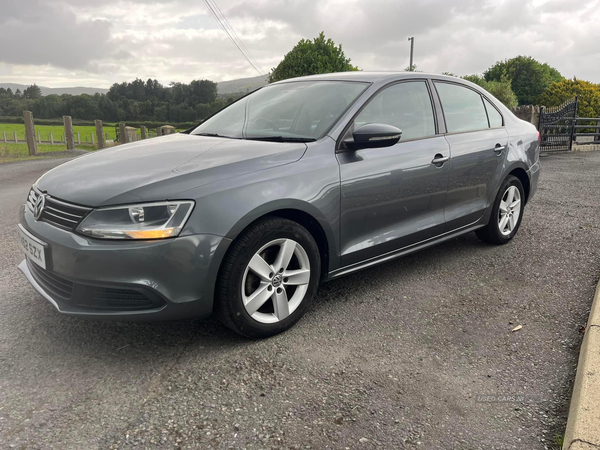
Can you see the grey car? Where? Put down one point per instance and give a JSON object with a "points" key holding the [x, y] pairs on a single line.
{"points": [[300, 182]]}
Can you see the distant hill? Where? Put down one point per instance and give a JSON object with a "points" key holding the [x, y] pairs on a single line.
{"points": [[223, 87], [241, 85], [58, 91]]}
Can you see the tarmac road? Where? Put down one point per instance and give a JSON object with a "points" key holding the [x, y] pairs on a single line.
{"points": [[415, 353]]}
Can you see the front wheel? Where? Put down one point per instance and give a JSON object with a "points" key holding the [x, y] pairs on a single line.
{"points": [[507, 213], [268, 279]]}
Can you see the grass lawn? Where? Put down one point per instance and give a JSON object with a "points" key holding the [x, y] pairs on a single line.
{"points": [[20, 152], [57, 131]]}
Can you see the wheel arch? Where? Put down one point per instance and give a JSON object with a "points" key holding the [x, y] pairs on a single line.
{"points": [[306, 215], [521, 174]]}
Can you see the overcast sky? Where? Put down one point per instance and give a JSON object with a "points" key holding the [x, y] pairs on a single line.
{"points": [[58, 43]]}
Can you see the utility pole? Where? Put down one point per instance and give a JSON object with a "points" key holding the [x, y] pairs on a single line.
{"points": [[412, 47]]}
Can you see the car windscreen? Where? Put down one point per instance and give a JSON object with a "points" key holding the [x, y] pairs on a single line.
{"points": [[300, 110]]}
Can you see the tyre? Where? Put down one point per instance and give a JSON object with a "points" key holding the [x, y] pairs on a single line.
{"points": [[507, 213], [268, 278]]}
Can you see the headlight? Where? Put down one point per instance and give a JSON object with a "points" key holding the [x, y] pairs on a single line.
{"points": [[143, 221]]}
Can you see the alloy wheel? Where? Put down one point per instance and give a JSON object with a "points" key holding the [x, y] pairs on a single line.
{"points": [[509, 210], [275, 281]]}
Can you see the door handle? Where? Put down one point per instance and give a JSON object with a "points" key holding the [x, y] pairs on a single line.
{"points": [[499, 148], [439, 159]]}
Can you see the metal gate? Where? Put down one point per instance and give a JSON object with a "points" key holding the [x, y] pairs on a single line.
{"points": [[557, 126]]}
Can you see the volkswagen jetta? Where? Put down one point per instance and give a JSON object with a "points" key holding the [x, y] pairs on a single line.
{"points": [[300, 182]]}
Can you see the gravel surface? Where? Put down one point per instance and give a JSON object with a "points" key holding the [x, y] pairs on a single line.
{"points": [[397, 356]]}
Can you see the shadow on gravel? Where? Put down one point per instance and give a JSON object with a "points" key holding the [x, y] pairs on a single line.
{"points": [[140, 341]]}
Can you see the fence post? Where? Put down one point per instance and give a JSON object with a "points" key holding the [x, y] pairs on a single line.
{"points": [[122, 133], [51, 138], [78, 138], [4, 132], [69, 137], [99, 133], [92, 134], [143, 132], [39, 138], [15, 136], [106, 136], [30, 133]]}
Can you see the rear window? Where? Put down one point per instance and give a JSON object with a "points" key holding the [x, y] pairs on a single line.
{"points": [[493, 115], [463, 108]]}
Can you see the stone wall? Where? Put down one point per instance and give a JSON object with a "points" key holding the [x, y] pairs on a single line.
{"points": [[529, 113]]}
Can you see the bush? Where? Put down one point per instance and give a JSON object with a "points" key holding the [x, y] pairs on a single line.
{"points": [[588, 95], [312, 57], [502, 89]]}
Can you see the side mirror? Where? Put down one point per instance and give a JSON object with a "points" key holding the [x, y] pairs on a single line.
{"points": [[373, 135]]}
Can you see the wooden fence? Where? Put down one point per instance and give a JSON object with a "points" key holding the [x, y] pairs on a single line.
{"points": [[100, 138]]}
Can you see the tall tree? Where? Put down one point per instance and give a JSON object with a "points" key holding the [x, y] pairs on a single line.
{"points": [[33, 92], [312, 57], [528, 77]]}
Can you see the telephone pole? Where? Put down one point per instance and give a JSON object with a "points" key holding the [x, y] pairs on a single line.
{"points": [[412, 47]]}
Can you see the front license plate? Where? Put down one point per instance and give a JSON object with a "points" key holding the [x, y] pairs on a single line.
{"points": [[33, 248]]}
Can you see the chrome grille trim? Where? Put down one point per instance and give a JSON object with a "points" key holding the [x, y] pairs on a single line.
{"points": [[60, 217], [57, 212]]}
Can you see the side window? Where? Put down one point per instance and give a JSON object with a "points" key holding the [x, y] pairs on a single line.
{"points": [[406, 106], [493, 115], [463, 108]]}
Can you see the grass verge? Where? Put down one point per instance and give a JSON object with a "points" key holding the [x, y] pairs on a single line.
{"points": [[20, 152]]}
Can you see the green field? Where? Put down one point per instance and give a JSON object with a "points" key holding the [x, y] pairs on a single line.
{"points": [[56, 130], [20, 152]]}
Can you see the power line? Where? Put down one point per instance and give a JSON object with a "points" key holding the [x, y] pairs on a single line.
{"points": [[218, 19], [235, 35]]}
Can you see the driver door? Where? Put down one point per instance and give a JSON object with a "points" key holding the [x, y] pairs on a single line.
{"points": [[393, 197]]}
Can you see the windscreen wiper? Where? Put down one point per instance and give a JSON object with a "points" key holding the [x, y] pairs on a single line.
{"points": [[213, 135], [280, 139]]}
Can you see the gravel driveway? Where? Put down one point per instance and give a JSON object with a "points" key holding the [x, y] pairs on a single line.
{"points": [[415, 353]]}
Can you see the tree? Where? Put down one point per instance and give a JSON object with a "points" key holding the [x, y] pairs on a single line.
{"points": [[502, 89], [588, 96], [412, 68], [312, 57], [33, 92], [528, 77]]}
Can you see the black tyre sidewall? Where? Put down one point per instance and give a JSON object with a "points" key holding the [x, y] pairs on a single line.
{"points": [[230, 284]]}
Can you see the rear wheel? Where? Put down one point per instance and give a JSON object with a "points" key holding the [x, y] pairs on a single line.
{"points": [[507, 213], [268, 279]]}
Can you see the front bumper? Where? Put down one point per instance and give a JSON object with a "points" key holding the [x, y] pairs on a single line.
{"points": [[130, 280]]}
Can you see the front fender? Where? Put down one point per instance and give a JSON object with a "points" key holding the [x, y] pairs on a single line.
{"points": [[310, 185]]}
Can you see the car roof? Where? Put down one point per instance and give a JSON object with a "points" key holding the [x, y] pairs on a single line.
{"points": [[371, 77]]}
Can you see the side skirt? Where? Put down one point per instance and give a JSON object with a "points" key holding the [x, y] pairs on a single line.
{"points": [[403, 251]]}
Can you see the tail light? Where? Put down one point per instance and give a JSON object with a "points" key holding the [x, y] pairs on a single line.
{"points": [[539, 138]]}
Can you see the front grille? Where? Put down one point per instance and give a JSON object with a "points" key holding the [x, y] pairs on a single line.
{"points": [[54, 285], [56, 212]]}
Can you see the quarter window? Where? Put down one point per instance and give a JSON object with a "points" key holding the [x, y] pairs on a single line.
{"points": [[406, 106], [493, 115], [463, 108]]}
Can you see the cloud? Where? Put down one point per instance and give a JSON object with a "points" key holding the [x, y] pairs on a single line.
{"points": [[67, 42], [38, 32]]}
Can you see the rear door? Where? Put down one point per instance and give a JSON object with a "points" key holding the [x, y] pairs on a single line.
{"points": [[478, 144], [393, 197]]}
